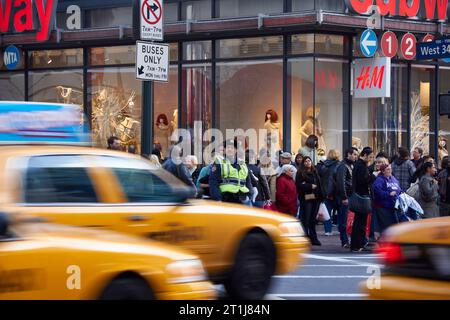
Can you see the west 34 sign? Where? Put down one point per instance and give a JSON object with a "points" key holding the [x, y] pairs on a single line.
{"points": [[28, 15]]}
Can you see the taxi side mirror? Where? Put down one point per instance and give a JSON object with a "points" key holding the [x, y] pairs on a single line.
{"points": [[4, 225]]}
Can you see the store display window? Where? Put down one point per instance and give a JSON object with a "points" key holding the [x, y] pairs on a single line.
{"points": [[12, 86]]}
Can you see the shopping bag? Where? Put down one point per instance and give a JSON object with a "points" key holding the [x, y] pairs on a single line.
{"points": [[269, 205], [323, 214], [351, 219]]}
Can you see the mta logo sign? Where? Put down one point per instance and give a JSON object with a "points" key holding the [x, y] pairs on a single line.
{"points": [[11, 57]]}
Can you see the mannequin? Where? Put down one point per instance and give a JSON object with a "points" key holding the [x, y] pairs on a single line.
{"points": [[356, 142], [443, 152], [273, 127], [174, 126], [162, 132], [308, 126]]}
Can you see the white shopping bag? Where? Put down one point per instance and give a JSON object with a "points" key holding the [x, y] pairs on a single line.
{"points": [[323, 214]]}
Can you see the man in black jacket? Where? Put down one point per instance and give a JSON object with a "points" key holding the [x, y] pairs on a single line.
{"points": [[175, 166], [343, 187], [362, 184]]}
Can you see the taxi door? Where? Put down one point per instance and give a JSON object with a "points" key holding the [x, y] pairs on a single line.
{"points": [[23, 274], [151, 202]]}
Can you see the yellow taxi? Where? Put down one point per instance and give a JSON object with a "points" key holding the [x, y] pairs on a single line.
{"points": [[416, 256], [50, 261], [240, 247]]}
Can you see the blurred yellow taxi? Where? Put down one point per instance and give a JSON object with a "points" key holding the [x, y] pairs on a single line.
{"points": [[241, 247], [49, 261], [417, 261]]}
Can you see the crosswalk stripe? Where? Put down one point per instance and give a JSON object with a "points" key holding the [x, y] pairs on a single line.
{"points": [[320, 277], [321, 295]]}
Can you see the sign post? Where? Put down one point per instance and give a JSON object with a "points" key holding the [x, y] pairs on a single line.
{"points": [[152, 61]]}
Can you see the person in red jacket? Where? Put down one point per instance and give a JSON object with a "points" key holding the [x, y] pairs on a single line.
{"points": [[286, 195]]}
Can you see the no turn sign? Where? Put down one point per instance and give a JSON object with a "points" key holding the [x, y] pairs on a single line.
{"points": [[151, 12], [152, 61]]}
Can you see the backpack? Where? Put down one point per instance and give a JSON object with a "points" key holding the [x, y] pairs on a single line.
{"points": [[414, 191]]}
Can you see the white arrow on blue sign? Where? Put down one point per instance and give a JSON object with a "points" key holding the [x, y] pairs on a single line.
{"points": [[368, 43]]}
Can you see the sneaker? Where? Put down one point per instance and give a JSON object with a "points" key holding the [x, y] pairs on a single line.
{"points": [[328, 234], [346, 245], [316, 243]]}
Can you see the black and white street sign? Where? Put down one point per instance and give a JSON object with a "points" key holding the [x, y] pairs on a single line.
{"points": [[152, 61], [151, 13]]}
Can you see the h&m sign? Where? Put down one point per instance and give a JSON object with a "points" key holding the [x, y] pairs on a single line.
{"points": [[426, 9], [372, 78], [17, 16]]}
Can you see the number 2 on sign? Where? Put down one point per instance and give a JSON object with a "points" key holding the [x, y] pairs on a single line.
{"points": [[410, 44]]}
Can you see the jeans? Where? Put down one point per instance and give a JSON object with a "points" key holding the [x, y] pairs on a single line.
{"points": [[258, 203], [342, 221], [308, 218], [358, 236], [327, 225]]}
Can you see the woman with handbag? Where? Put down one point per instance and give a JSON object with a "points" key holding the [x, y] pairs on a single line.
{"points": [[310, 196]]}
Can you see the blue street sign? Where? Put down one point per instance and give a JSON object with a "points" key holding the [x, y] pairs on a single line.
{"points": [[368, 43], [11, 57], [437, 49]]}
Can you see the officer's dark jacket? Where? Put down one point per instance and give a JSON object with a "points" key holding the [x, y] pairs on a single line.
{"points": [[180, 171]]}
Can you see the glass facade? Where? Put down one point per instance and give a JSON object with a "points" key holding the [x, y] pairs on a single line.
{"points": [[12, 86], [246, 8], [444, 121]]}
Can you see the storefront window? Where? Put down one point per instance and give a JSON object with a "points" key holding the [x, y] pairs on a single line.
{"points": [[12, 86], [382, 125], [250, 47], [301, 79], [196, 10], [196, 96], [115, 98], [328, 105], [165, 115], [302, 43], [246, 91], [56, 86], [330, 44], [197, 50], [444, 121], [170, 12], [112, 55], [56, 58], [109, 17], [422, 94], [246, 8]]}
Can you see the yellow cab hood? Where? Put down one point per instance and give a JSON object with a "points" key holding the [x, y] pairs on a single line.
{"points": [[431, 231], [75, 238]]}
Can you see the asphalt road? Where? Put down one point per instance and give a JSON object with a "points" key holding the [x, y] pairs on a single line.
{"points": [[328, 272]]}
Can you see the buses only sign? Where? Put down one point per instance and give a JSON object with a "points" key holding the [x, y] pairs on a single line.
{"points": [[151, 13], [152, 61]]}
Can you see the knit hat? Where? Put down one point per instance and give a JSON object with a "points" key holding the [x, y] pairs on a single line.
{"points": [[384, 167]]}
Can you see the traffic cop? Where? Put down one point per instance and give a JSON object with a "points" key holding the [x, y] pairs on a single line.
{"points": [[230, 180]]}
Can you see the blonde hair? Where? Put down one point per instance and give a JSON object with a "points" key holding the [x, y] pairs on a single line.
{"points": [[382, 160], [333, 154], [154, 160]]}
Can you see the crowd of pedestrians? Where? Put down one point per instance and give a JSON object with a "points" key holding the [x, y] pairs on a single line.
{"points": [[374, 190]]}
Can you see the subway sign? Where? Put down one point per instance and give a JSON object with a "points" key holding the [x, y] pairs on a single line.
{"points": [[427, 9], [17, 16]]}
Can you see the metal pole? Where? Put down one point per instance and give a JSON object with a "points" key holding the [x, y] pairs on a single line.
{"points": [[147, 118]]}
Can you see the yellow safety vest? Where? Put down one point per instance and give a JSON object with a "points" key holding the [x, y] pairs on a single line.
{"points": [[233, 180]]}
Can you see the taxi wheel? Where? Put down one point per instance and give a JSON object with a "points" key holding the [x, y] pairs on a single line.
{"points": [[253, 269], [127, 288]]}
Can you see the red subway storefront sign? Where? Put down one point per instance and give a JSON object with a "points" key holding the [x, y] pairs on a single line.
{"points": [[428, 9], [17, 16], [372, 78]]}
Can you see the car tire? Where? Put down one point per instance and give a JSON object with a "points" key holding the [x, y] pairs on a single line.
{"points": [[254, 266], [127, 288]]}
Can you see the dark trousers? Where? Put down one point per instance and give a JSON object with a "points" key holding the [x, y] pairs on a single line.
{"points": [[358, 238], [309, 211], [385, 218]]}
